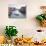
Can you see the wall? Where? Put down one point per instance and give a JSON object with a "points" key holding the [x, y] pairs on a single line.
{"points": [[25, 26]]}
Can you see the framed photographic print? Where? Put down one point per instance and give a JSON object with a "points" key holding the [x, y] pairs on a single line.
{"points": [[14, 12]]}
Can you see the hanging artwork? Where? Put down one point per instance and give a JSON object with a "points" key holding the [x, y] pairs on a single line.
{"points": [[14, 12]]}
